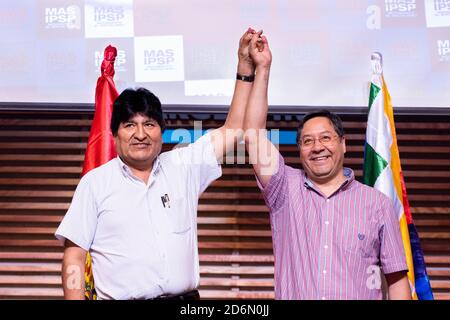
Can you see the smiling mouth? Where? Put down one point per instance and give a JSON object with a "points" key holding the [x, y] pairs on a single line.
{"points": [[322, 158], [141, 145]]}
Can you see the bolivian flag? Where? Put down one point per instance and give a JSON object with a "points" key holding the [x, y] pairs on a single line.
{"points": [[382, 170]]}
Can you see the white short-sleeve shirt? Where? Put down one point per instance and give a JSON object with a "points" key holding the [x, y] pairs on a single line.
{"points": [[142, 238]]}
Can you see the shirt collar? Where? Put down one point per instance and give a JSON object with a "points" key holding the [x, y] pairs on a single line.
{"points": [[349, 178], [126, 171]]}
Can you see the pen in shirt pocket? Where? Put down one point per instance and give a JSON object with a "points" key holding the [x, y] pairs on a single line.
{"points": [[165, 201]]}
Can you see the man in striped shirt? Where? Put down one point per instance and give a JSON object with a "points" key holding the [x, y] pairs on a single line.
{"points": [[332, 236]]}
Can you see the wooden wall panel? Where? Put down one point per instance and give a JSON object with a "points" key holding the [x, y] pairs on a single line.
{"points": [[41, 156]]}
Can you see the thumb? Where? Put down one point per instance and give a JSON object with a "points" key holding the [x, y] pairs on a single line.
{"points": [[265, 42]]}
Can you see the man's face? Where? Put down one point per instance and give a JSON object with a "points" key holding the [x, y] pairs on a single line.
{"points": [[138, 141], [322, 161]]}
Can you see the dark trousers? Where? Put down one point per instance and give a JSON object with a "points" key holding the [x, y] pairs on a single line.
{"points": [[191, 295]]}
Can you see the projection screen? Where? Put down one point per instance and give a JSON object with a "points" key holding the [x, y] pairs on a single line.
{"points": [[185, 51]]}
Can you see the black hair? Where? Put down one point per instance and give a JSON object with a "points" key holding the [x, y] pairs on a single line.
{"points": [[136, 101], [334, 119]]}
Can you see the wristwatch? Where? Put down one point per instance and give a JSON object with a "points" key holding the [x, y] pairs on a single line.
{"points": [[245, 78]]}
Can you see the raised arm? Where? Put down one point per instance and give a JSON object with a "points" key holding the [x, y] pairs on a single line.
{"points": [[263, 155], [225, 137]]}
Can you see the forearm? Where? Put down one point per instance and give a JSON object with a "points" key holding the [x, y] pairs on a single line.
{"points": [[225, 137], [242, 89], [256, 114], [263, 155], [398, 286], [257, 108], [73, 268]]}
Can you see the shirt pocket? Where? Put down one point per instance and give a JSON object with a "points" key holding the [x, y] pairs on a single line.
{"points": [[180, 220], [361, 242]]}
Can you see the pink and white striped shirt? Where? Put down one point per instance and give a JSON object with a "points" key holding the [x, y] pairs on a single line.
{"points": [[331, 248]]}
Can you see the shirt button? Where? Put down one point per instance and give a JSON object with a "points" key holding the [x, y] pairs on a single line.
{"points": [[325, 246], [328, 200], [324, 271], [323, 298], [327, 222]]}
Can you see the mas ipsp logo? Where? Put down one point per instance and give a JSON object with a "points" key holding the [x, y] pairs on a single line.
{"points": [[437, 13], [108, 19], [442, 6], [400, 8], [109, 15], [119, 63], [159, 59], [63, 17], [443, 50]]}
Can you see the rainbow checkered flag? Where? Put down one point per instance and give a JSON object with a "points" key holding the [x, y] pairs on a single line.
{"points": [[382, 170]]}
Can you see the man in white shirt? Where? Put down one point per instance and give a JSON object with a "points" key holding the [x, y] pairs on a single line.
{"points": [[137, 214]]}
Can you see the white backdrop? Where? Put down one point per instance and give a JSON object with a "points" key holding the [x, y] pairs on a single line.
{"points": [[185, 51]]}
